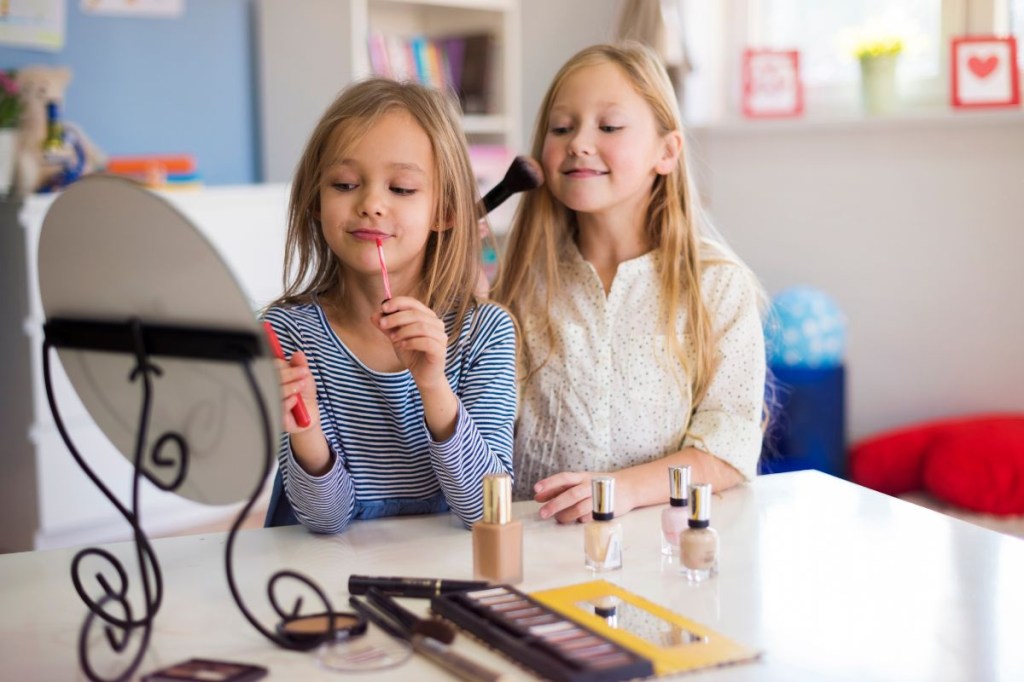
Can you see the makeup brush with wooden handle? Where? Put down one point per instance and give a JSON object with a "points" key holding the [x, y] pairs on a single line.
{"points": [[523, 174], [428, 627], [438, 652]]}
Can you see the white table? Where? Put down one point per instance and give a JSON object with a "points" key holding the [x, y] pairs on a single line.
{"points": [[831, 581]]}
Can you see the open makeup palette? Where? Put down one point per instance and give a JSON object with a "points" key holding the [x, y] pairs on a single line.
{"points": [[593, 631]]}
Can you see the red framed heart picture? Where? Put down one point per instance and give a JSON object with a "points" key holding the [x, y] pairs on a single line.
{"points": [[984, 72], [771, 83]]}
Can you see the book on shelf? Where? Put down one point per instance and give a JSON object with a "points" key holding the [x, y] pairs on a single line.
{"points": [[461, 63], [159, 171]]}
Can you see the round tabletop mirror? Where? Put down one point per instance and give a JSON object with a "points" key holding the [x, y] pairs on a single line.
{"points": [[110, 251]]}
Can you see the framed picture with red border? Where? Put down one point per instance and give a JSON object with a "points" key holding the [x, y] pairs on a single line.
{"points": [[771, 83], [984, 72]]}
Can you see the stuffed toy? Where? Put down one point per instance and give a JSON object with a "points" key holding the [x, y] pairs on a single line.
{"points": [[46, 163], [975, 463]]}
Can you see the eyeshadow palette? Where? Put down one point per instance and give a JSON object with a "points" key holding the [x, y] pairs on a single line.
{"points": [[671, 642], [205, 670], [539, 638]]}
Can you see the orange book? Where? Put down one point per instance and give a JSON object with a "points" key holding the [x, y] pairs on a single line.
{"points": [[147, 163]]}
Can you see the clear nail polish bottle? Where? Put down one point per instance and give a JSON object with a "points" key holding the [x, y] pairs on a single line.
{"points": [[602, 537], [698, 544], [673, 518]]}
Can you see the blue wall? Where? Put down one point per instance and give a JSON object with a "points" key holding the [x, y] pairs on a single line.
{"points": [[184, 85]]}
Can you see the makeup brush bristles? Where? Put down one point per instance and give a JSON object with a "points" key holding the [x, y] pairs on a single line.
{"points": [[523, 174]]}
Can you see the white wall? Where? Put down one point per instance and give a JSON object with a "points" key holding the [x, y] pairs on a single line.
{"points": [[914, 227], [553, 31]]}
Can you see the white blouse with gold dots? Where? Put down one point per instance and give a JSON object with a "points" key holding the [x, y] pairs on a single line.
{"points": [[613, 398]]}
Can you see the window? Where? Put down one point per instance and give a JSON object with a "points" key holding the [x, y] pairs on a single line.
{"points": [[825, 32]]}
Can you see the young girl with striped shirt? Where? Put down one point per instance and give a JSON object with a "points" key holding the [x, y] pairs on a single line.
{"points": [[411, 392]]}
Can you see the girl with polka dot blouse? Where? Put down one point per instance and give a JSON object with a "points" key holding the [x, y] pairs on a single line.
{"points": [[641, 333]]}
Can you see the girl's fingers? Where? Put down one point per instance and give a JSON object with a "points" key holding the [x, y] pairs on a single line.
{"points": [[581, 511], [400, 303], [418, 330], [561, 505], [551, 486]]}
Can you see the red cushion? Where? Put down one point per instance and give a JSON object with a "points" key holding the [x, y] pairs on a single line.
{"points": [[979, 466], [891, 462], [894, 462]]}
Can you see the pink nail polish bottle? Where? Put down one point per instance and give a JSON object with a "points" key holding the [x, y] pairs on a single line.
{"points": [[674, 517]]}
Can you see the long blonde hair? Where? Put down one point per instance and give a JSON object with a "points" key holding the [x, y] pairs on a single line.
{"points": [[452, 257], [676, 229]]}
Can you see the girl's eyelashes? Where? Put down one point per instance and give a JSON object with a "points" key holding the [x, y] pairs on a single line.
{"points": [[565, 129], [349, 186]]}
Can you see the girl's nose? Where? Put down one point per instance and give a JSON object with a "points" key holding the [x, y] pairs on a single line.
{"points": [[371, 204], [580, 144]]}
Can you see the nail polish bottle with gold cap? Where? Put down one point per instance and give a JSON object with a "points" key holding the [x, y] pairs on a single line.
{"points": [[698, 544], [497, 538], [602, 537], [674, 516]]}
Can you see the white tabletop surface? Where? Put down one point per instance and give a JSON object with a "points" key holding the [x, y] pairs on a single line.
{"points": [[830, 580]]}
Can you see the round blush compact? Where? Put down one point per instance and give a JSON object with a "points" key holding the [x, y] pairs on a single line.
{"points": [[310, 630]]}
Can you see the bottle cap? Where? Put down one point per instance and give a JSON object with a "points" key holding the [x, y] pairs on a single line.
{"points": [[497, 498], [700, 505], [678, 485], [602, 489]]}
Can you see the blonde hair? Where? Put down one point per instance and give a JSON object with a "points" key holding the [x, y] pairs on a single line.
{"points": [[452, 255], [684, 242]]}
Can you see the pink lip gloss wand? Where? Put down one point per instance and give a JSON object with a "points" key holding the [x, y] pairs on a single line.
{"points": [[298, 409], [383, 269]]}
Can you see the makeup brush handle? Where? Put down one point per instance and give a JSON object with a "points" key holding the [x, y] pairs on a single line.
{"points": [[392, 607], [495, 198], [454, 662]]}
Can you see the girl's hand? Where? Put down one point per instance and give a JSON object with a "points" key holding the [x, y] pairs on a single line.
{"points": [[297, 384], [568, 496], [418, 337]]}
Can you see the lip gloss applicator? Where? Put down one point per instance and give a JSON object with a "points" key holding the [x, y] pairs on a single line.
{"points": [[299, 410], [383, 269]]}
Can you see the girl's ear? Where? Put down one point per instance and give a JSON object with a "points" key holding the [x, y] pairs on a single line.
{"points": [[447, 224], [671, 149]]}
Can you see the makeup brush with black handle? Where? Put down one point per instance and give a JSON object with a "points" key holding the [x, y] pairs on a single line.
{"points": [[438, 652], [523, 174]]}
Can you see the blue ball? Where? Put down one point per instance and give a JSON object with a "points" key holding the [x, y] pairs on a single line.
{"points": [[805, 329]]}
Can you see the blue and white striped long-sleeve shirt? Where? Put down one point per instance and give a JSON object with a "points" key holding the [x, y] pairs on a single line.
{"points": [[375, 427]]}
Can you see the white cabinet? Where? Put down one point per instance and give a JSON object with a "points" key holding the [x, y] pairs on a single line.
{"points": [[310, 49], [45, 499]]}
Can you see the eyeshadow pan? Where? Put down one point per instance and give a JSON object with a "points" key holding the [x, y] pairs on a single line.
{"points": [[542, 630], [480, 594], [498, 599], [510, 606]]}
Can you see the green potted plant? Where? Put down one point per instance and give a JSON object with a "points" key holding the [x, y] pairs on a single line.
{"points": [[877, 57], [10, 116]]}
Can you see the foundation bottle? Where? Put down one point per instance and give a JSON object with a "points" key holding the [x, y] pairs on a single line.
{"points": [[698, 544], [673, 518], [497, 539], [602, 537]]}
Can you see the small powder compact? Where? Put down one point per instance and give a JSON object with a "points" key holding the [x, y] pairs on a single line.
{"points": [[309, 631], [205, 670]]}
